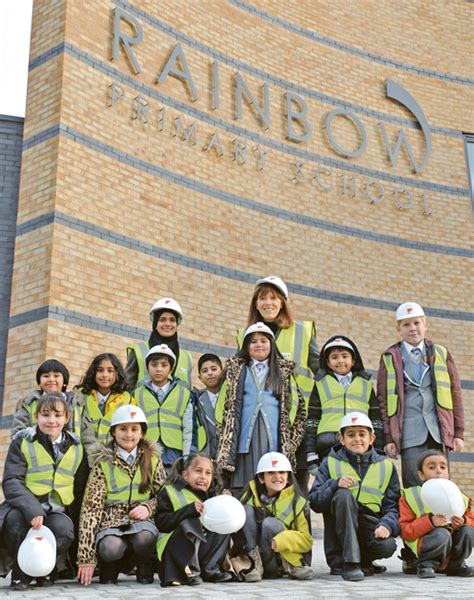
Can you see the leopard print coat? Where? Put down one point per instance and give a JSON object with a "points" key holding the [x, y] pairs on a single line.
{"points": [[96, 516], [228, 431]]}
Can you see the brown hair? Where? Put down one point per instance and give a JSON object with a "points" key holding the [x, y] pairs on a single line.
{"points": [[284, 318], [145, 466], [51, 401]]}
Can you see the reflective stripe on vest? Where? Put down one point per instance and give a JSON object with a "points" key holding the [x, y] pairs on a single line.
{"points": [[336, 401], [121, 488], [101, 423], [43, 476], [183, 368], [443, 396], [370, 491], [179, 499], [293, 343], [419, 508], [281, 508], [74, 423], [165, 420]]}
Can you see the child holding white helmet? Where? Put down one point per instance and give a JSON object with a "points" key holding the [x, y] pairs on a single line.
{"points": [[165, 316], [43, 483], [276, 536], [260, 408], [117, 515]]}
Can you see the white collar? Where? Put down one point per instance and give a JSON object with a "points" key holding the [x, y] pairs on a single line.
{"points": [[165, 387], [124, 454], [260, 362], [59, 439], [339, 377], [409, 347]]}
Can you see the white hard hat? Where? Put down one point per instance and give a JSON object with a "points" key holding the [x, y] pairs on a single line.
{"points": [[167, 304], [443, 497], [275, 281], [128, 413], [409, 309], [37, 553], [356, 419], [258, 327], [339, 343], [273, 462], [161, 349], [223, 514]]}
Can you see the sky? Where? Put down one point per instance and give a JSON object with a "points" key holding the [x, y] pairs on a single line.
{"points": [[15, 25]]}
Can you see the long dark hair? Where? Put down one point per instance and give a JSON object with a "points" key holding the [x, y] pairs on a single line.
{"points": [[273, 379], [88, 382], [183, 463], [260, 488]]}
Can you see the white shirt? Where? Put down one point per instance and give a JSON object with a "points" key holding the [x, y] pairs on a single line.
{"points": [[124, 454], [213, 398], [165, 387], [339, 377], [409, 347], [261, 375]]}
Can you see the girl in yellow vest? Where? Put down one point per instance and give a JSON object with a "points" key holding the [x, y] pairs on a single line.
{"points": [[260, 408], [165, 316], [116, 526], [104, 390], [52, 377], [276, 536], [295, 340], [43, 483], [187, 552]]}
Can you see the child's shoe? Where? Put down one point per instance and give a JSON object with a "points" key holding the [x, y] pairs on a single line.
{"points": [[425, 572], [352, 572], [19, 585], [144, 573], [462, 571], [255, 573], [302, 573]]}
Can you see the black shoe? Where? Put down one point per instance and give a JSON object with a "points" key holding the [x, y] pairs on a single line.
{"points": [[426, 572], [410, 567], [44, 582], [144, 574], [371, 568], [219, 577], [194, 580], [19, 585], [463, 571], [108, 573], [336, 569], [352, 572]]}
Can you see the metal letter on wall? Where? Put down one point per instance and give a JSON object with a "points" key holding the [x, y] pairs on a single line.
{"points": [[126, 40], [177, 66], [263, 113], [357, 122], [400, 94], [296, 111]]}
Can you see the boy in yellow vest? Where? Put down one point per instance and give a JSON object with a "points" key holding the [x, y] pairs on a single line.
{"points": [[165, 400], [438, 545], [419, 393], [357, 489]]}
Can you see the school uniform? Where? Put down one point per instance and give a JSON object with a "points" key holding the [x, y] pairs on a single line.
{"points": [[419, 393], [353, 514], [106, 531], [435, 547], [98, 412], [204, 421], [183, 541], [283, 518], [53, 491], [169, 413], [253, 421]]}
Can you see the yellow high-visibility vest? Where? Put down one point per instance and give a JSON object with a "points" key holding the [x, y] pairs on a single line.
{"points": [[282, 507], [337, 402]]}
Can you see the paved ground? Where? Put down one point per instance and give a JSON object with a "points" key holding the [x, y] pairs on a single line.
{"points": [[392, 584]]}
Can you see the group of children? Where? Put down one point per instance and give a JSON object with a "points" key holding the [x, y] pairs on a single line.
{"points": [[152, 451]]}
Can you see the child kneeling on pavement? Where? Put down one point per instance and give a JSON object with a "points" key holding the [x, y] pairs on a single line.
{"points": [[357, 488], [439, 545], [276, 536]]}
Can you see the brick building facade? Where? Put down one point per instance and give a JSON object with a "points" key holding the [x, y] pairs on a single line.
{"points": [[188, 148]]}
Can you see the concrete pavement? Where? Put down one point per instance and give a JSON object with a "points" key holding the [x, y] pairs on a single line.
{"points": [[392, 584]]}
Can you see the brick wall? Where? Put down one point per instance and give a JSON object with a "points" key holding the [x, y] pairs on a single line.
{"points": [[116, 209]]}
